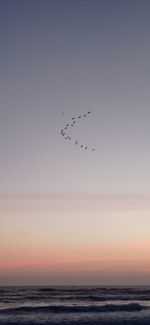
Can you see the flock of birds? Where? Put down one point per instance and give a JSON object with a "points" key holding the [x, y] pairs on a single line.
{"points": [[73, 122]]}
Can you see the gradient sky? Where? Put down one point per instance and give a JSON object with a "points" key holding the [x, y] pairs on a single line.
{"points": [[69, 216]]}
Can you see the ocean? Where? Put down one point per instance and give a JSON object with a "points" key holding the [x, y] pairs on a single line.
{"points": [[74, 305]]}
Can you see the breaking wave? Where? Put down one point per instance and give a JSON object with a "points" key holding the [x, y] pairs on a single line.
{"points": [[131, 307]]}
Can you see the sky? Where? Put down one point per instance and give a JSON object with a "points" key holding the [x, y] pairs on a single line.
{"points": [[68, 215]]}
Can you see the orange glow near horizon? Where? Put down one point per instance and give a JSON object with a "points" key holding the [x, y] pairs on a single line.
{"points": [[66, 239]]}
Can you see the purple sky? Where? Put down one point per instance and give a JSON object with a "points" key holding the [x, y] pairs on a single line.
{"points": [[72, 56]]}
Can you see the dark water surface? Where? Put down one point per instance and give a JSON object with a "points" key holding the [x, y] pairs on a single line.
{"points": [[74, 305]]}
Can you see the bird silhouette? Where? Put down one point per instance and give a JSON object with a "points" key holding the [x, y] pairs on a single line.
{"points": [[73, 123]]}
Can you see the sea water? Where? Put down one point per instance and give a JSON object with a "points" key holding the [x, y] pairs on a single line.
{"points": [[74, 305]]}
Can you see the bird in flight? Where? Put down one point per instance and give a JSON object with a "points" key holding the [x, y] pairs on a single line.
{"points": [[74, 121]]}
